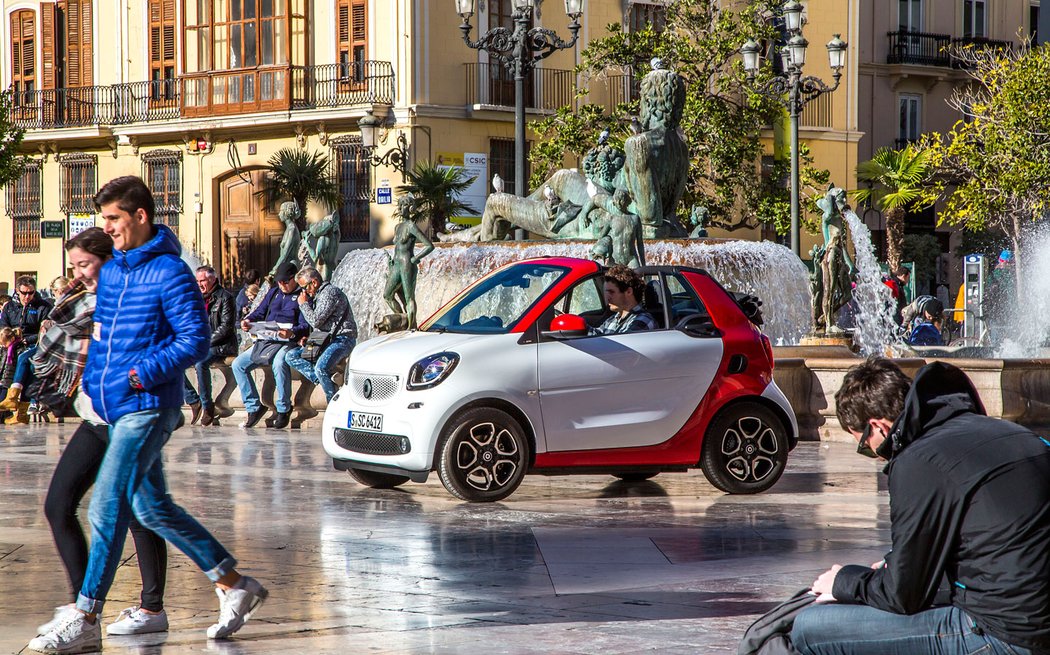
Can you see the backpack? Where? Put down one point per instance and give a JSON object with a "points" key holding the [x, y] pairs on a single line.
{"points": [[770, 634]]}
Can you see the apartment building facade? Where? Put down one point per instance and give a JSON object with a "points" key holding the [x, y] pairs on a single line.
{"points": [[907, 76], [196, 95]]}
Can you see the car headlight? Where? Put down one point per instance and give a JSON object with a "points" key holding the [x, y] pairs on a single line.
{"points": [[431, 370]]}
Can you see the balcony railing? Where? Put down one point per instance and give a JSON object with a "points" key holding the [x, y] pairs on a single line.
{"points": [[623, 88], [919, 48], [207, 94], [818, 112], [492, 84], [935, 49], [339, 85], [979, 43]]}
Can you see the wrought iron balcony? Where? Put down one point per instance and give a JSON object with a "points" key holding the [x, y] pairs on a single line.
{"points": [[979, 43], [207, 94], [492, 85], [919, 48]]}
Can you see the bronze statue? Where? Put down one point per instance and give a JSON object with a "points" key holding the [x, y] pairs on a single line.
{"points": [[834, 269], [325, 247], [652, 167], [619, 236], [657, 164], [289, 214], [698, 219], [402, 268]]}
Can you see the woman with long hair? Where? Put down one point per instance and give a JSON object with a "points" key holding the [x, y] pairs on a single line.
{"points": [[59, 364]]}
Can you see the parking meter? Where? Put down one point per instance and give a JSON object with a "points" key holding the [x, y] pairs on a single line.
{"points": [[973, 283]]}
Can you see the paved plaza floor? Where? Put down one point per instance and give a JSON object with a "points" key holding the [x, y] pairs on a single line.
{"points": [[571, 564]]}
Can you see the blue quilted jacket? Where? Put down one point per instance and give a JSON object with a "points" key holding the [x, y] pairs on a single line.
{"points": [[150, 317]]}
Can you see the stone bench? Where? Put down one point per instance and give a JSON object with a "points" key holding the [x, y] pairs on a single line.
{"points": [[308, 401]]}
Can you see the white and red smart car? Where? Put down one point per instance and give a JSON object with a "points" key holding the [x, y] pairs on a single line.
{"points": [[507, 379]]}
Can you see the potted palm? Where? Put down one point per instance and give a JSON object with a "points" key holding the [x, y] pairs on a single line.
{"points": [[437, 190]]}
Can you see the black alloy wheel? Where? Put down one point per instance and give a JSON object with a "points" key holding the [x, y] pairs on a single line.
{"points": [[484, 455], [745, 449]]}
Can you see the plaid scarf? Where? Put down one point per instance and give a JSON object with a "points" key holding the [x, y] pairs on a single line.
{"points": [[62, 348]]}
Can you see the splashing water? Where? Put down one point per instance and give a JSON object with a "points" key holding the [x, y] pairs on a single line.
{"points": [[763, 269], [876, 329], [1028, 325]]}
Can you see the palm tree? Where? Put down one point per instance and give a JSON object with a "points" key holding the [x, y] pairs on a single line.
{"points": [[300, 176], [437, 190], [898, 180]]}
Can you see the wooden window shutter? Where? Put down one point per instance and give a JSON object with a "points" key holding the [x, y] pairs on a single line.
{"points": [[23, 49], [162, 37], [342, 30], [48, 56], [79, 46], [359, 30]]}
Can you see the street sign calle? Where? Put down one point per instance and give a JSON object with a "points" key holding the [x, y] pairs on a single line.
{"points": [[52, 229]]}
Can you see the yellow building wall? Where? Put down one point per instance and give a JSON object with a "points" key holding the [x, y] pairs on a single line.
{"points": [[423, 42]]}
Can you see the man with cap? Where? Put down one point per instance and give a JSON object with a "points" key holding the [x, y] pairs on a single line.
{"points": [[927, 328], [279, 305]]}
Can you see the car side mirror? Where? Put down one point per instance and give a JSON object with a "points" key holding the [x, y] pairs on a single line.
{"points": [[567, 326]]}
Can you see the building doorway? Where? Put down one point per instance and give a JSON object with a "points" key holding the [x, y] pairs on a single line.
{"points": [[249, 234]]}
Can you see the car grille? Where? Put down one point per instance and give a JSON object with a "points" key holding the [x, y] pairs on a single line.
{"points": [[383, 387], [372, 443]]}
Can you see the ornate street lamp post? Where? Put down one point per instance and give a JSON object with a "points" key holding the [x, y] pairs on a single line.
{"points": [[794, 89], [519, 50]]}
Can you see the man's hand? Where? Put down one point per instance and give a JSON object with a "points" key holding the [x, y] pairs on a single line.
{"points": [[246, 325], [303, 298], [824, 585], [285, 333]]}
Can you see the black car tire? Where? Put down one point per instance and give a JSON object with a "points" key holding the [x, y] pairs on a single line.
{"points": [[745, 449], [484, 455], [636, 476], [377, 480]]}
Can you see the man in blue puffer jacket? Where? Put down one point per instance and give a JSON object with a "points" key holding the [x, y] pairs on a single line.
{"points": [[150, 326]]}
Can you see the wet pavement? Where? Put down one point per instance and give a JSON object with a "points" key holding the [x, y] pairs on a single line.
{"points": [[570, 564]]}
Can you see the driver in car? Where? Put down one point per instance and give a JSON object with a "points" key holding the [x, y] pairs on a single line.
{"points": [[623, 292]]}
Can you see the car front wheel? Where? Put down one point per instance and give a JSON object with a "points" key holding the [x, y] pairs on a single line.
{"points": [[745, 449], [484, 455], [377, 480]]}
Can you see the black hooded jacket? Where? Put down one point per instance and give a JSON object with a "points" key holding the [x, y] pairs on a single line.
{"points": [[26, 318], [969, 503]]}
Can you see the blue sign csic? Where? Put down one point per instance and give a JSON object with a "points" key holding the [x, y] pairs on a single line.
{"points": [[384, 195]]}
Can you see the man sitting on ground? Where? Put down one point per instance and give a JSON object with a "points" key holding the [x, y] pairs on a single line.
{"points": [[969, 507], [624, 291]]}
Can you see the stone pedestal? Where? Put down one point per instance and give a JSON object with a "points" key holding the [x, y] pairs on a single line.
{"points": [[835, 340]]}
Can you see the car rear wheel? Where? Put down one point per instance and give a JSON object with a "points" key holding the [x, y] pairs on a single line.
{"points": [[636, 476], [745, 449], [377, 480], [484, 455]]}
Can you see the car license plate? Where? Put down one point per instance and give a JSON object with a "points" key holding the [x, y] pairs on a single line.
{"points": [[364, 421]]}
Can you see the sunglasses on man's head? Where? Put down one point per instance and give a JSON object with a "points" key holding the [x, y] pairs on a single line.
{"points": [[862, 446]]}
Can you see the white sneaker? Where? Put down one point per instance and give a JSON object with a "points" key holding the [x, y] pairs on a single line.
{"points": [[136, 621], [74, 635], [61, 612], [237, 606]]}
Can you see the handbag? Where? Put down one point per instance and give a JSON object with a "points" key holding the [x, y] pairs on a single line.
{"points": [[264, 351], [318, 341]]}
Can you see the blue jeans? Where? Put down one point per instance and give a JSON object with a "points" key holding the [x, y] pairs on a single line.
{"points": [[838, 629], [131, 480], [202, 394], [321, 372], [24, 367], [282, 377]]}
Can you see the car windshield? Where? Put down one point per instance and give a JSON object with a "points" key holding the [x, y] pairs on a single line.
{"points": [[496, 303]]}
